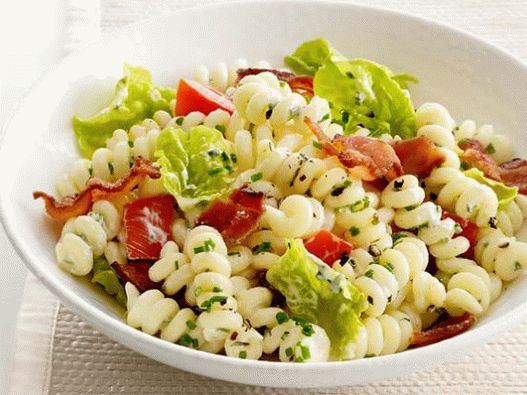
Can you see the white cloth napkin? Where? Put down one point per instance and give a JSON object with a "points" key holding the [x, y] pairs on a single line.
{"points": [[56, 353]]}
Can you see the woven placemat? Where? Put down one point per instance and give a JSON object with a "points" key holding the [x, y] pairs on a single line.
{"points": [[85, 362]]}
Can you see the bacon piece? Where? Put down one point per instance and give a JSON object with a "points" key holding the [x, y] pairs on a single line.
{"points": [[365, 157], [445, 330], [377, 156], [236, 216], [418, 156], [474, 156], [301, 83], [280, 74], [514, 173], [137, 274], [97, 189]]}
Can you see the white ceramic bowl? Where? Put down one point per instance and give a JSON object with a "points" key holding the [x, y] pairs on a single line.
{"points": [[472, 78]]}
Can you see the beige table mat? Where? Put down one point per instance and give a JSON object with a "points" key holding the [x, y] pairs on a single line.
{"points": [[59, 354]]}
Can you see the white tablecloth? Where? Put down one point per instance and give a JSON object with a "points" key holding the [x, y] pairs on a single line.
{"points": [[56, 353]]}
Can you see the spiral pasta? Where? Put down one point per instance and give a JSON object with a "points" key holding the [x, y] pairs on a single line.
{"points": [[500, 254], [510, 218], [263, 99], [246, 343], [173, 268], [380, 285], [468, 288], [297, 341], [153, 313], [220, 76], [217, 119], [386, 334], [428, 293], [83, 239], [266, 247], [211, 289], [297, 216], [406, 196], [463, 195]]}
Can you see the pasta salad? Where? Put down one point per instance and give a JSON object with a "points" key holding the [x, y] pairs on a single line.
{"points": [[301, 214]]}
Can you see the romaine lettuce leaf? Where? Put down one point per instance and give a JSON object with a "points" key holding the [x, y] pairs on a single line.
{"points": [[363, 94], [403, 79], [310, 56], [318, 294], [195, 167], [135, 99], [104, 275], [504, 193]]}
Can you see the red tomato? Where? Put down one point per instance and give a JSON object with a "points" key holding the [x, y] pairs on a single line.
{"points": [[328, 247], [468, 229], [192, 96], [147, 223]]}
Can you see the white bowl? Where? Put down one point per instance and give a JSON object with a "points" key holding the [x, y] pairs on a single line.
{"points": [[471, 78]]}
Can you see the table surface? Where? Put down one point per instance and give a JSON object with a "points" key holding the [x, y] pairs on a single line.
{"points": [[28, 56]]}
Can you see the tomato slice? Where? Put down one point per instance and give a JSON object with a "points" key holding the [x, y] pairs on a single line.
{"points": [[192, 96], [147, 224], [328, 247], [468, 229]]}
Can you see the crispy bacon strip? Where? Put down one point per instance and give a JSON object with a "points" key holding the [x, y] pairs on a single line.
{"points": [[474, 156], [514, 173], [418, 156], [365, 157], [236, 216], [97, 189], [300, 83], [137, 274], [280, 74], [445, 330]]}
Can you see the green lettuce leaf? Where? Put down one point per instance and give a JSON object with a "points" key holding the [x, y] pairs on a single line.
{"points": [[403, 79], [318, 294], [504, 193], [310, 56], [196, 167], [362, 93], [104, 275], [135, 99]]}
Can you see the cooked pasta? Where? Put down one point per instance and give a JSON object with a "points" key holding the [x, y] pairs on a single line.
{"points": [[465, 196], [386, 334], [497, 253], [468, 288], [173, 269], [406, 196]]}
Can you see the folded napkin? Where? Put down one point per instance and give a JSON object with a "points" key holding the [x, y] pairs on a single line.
{"points": [[57, 353]]}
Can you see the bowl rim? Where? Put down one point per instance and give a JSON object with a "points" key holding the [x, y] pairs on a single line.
{"points": [[119, 331]]}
